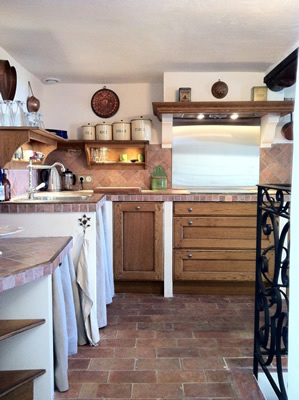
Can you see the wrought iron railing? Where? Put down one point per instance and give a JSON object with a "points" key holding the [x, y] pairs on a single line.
{"points": [[272, 283]]}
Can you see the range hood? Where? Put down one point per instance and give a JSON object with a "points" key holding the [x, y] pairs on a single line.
{"points": [[263, 113]]}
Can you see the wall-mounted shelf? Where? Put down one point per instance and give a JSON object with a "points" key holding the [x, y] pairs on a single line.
{"points": [[115, 148], [11, 138], [246, 109]]}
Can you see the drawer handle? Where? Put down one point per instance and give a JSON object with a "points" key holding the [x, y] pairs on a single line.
{"points": [[190, 255], [190, 222], [138, 208], [190, 209]]}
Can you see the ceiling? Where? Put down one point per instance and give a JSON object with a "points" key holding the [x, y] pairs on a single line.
{"points": [[130, 41]]}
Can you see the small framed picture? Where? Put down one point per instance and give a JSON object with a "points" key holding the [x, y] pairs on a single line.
{"points": [[184, 94], [259, 93]]}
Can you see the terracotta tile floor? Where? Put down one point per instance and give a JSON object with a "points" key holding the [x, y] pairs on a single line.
{"points": [[185, 347]]}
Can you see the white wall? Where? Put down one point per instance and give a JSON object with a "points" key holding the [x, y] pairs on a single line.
{"points": [[69, 106], [239, 84], [239, 89]]}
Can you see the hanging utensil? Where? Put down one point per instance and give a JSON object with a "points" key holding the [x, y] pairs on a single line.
{"points": [[33, 103], [287, 129]]}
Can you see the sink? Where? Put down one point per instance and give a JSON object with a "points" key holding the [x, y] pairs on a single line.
{"points": [[42, 197]]}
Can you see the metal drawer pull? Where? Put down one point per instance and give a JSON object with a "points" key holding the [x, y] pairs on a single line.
{"points": [[138, 208], [190, 209], [190, 255], [190, 222]]}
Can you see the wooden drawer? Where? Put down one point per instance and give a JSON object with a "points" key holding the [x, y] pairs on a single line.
{"points": [[215, 232], [215, 208], [215, 265]]}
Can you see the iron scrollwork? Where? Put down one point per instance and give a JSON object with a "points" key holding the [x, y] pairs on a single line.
{"points": [[272, 283]]}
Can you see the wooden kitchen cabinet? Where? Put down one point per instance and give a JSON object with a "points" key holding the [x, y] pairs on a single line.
{"points": [[215, 241], [138, 249]]}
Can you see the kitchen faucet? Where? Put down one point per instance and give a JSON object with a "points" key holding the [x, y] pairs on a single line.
{"points": [[54, 178]]}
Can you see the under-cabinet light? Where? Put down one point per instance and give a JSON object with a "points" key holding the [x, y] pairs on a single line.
{"points": [[200, 116], [234, 116]]}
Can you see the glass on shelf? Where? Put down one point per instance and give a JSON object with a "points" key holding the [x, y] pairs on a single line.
{"points": [[7, 111], [19, 115]]}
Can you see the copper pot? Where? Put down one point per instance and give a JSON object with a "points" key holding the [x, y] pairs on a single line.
{"points": [[287, 129]]}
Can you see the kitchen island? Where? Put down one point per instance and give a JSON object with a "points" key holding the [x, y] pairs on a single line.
{"points": [[84, 221]]}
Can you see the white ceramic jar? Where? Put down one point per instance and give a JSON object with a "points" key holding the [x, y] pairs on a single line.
{"points": [[141, 129], [103, 131], [121, 130], [88, 132]]}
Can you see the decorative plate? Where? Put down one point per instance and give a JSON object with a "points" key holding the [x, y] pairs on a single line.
{"points": [[219, 89], [105, 103]]}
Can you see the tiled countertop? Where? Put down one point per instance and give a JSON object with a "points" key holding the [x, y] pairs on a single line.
{"points": [[97, 200], [20, 265], [90, 205], [181, 195]]}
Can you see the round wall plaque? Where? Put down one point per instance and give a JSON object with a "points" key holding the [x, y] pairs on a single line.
{"points": [[219, 89], [105, 103]]}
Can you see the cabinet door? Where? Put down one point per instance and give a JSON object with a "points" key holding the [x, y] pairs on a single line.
{"points": [[138, 253]]}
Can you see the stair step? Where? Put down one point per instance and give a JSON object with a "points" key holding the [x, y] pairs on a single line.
{"points": [[18, 384], [11, 327]]}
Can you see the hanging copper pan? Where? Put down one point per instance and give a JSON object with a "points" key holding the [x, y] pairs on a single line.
{"points": [[287, 129], [33, 103]]}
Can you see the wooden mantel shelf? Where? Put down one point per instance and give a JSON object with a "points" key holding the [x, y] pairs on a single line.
{"points": [[254, 109], [11, 138]]}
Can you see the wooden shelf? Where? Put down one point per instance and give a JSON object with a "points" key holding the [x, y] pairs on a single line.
{"points": [[18, 384], [11, 138], [115, 149], [249, 109], [9, 328]]}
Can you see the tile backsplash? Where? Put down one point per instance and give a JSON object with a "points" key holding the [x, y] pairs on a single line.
{"points": [[76, 162], [275, 167], [276, 164]]}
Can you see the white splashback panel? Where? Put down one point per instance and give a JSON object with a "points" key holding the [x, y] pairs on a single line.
{"points": [[215, 155]]}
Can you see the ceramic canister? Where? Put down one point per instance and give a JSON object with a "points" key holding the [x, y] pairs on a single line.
{"points": [[141, 129], [121, 130], [103, 131], [88, 132]]}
